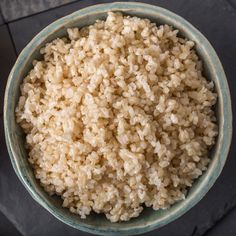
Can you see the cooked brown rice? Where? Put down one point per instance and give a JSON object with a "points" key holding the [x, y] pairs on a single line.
{"points": [[118, 116]]}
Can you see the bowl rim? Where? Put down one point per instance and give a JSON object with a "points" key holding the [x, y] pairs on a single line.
{"points": [[226, 130]]}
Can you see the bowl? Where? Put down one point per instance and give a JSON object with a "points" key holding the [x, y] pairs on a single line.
{"points": [[149, 219]]}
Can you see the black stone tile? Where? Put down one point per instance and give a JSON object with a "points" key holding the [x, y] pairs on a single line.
{"points": [[6, 227], [217, 21], [1, 19], [25, 29], [7, 60], [16, 9], [226, 226], [232, 3]]}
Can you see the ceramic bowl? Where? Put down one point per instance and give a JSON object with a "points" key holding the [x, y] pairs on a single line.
{"points": [[148, 219]]}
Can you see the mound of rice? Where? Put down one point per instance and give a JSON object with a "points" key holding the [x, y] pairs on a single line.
{"points": [[117, 117]]}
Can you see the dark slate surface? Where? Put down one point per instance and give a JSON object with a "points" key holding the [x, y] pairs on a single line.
{"points": [[7, 60], [217, 21], [1, 19], [226, 226], [37, 22], [15, 9], [6, 227]]}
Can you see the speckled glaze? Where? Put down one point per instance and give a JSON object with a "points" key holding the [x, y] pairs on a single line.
{"points": [[149, 219]]}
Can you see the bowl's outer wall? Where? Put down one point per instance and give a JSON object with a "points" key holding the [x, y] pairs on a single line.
{"points": [[15, 138]]}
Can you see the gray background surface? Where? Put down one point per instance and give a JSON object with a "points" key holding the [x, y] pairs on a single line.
{"points": [[20, 20]]}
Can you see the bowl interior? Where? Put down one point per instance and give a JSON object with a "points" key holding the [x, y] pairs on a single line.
{"points": [[148, 219]]}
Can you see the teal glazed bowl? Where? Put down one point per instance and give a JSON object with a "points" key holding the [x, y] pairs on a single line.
{"points": [[148, 219]]}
